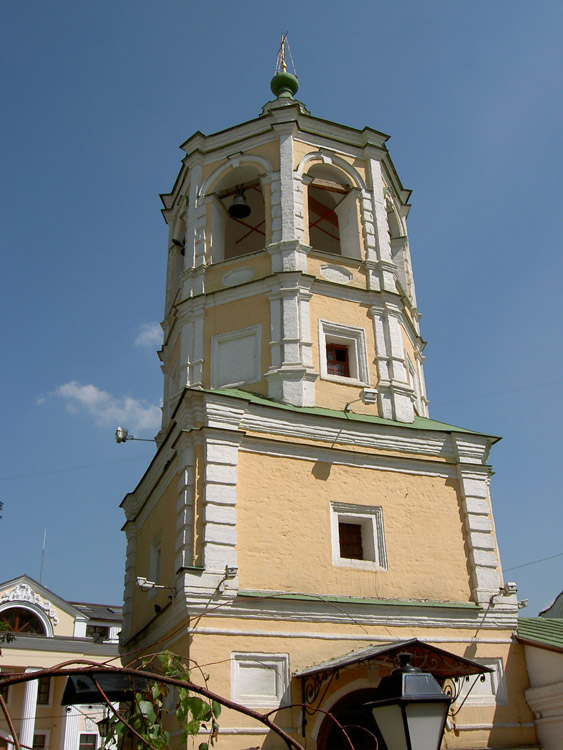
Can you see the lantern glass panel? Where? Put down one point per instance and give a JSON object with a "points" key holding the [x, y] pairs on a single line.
{"points": [[426, 724], [390, 722]]}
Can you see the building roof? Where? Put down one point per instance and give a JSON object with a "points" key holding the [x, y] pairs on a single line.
{"points": [[544, 632], [100, 611], [420, 423]]}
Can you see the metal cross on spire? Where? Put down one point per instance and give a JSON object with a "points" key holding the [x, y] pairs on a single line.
{"points": [[281, 64]]}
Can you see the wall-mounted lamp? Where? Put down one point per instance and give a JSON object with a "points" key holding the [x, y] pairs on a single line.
{"points": [[122, 436], [103, 727]]}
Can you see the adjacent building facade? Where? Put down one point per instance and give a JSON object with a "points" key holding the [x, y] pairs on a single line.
{"points": [[48, 631], [306, 516]]}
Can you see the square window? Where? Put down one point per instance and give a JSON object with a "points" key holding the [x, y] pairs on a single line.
{"points": [[39, 741], [259, 680], [343, 353], [357, 536]]}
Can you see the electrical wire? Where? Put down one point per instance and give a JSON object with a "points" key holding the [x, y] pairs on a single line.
{"points": [[533, 562]]}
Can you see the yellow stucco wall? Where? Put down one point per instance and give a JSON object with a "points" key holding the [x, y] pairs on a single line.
{"points": [[260, 263], [330, 394], [234, 316], [322, 641], [284, 530], [161, 519]]}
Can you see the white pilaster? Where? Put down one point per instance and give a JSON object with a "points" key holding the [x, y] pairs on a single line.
{"points": [[287, 185], [72, 717], [395, 394], [381, 269], [192, 324], [29, 708], [185, 504], [478, 516], [291, 376]]}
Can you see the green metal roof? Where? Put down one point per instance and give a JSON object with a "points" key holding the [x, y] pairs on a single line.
{"points": [[546, 632], [420, 423], [355, 600]]}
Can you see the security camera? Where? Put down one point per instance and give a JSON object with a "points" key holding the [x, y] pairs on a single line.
{"points": [[509, 588]]}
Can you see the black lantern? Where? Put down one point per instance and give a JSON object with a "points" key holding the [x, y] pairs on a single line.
{"points": [[103, 727], [410, 708]]}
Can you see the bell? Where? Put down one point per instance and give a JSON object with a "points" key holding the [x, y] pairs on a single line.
{"points": [[239, 208]]}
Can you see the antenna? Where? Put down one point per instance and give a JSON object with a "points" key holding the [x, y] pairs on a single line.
{"points": [[42, 555]]}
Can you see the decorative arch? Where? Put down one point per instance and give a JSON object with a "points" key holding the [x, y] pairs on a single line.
{"points": [[327, 157], [25, 619], [233, 163]]}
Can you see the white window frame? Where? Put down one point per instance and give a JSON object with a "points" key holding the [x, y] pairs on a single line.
{"points": [[495, 681], [217, 378], [242, 693], [370, 518], [354, 339]]}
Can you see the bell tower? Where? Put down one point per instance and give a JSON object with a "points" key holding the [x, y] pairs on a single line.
{"points": [[289, 271], [303, 519]]}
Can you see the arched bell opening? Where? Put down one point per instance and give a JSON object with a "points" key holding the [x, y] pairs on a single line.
{"points": [[238, 222], [332, 212], [358, 722]]}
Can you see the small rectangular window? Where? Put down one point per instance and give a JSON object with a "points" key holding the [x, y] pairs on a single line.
{"points": [[44, 690], [350, 538], [337, 360], [88, 742], [39, 741]]}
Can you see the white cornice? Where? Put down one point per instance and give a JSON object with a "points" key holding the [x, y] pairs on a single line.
{"points": [[343, 457]]}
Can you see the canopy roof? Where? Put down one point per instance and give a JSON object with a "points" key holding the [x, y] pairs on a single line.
{"points": [[440, 663]]}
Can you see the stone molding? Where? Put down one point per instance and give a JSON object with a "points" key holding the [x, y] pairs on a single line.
{"points": [[22, 592]]}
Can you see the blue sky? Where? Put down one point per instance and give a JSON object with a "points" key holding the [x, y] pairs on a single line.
{"points": [[97, 97]]}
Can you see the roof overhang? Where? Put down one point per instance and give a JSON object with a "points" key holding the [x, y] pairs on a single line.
{"points": [[441, 664], [117, 687]]}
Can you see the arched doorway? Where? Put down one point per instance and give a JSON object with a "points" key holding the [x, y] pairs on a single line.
{"points": [[358, 722]]}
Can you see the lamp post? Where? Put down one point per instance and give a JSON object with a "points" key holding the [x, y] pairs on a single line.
{"points": [[410, 708]]}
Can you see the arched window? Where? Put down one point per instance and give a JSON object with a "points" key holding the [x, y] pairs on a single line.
{"points": [[232, 232], [333, 215], [21, 620]]}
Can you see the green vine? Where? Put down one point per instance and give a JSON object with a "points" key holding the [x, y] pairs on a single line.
{"points": [[146, 718]]}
